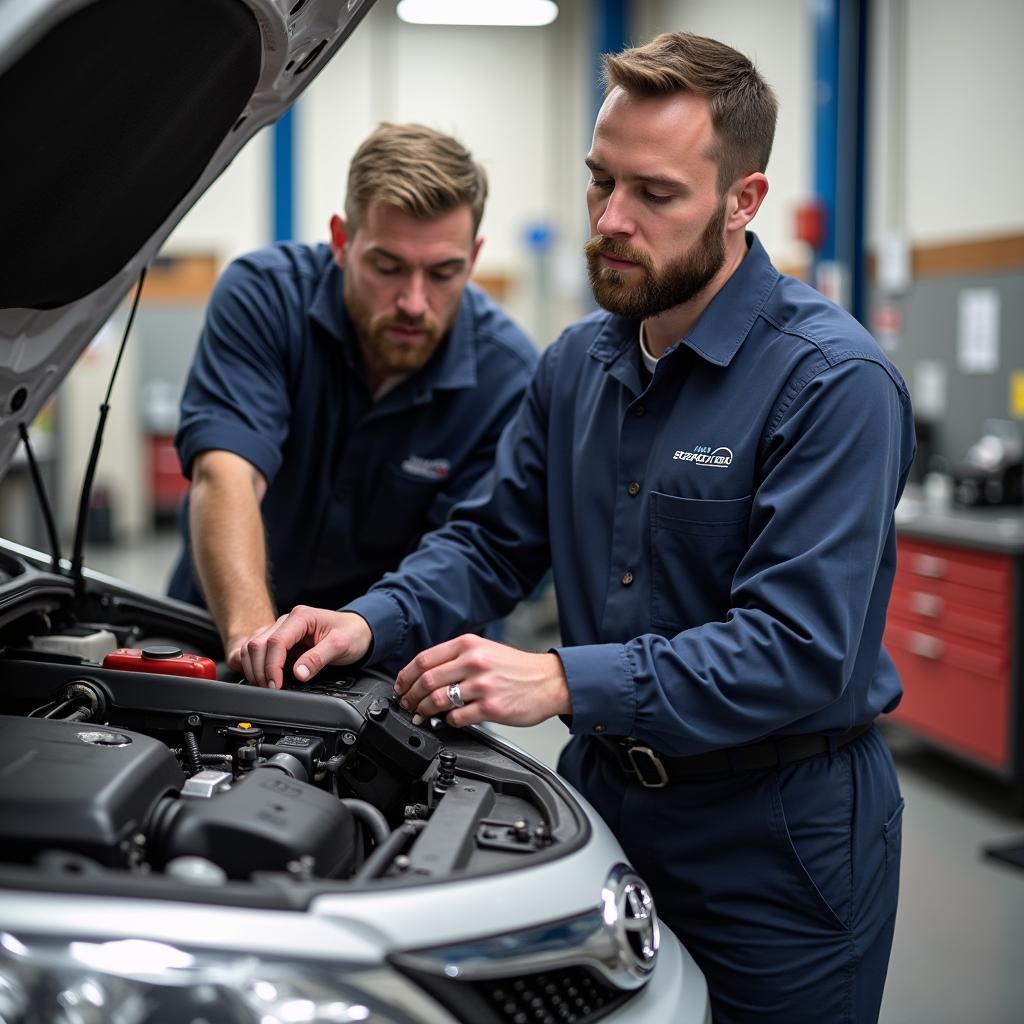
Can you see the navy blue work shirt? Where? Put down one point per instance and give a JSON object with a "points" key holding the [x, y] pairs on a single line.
{"points": [[353, 483], [722, 538]]}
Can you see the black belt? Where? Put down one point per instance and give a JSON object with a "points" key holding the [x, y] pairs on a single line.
{"points": [[655, 770]]}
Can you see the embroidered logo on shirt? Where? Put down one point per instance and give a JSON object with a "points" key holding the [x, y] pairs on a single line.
{"points": [[429, 469], [704, 456]]}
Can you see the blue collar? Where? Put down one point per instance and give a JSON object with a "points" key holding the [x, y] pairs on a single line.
{"points": [[453, 365], [722, 327]]}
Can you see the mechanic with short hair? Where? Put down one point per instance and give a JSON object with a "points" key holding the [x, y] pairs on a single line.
{"points": [[711, 466], [343, 397]]}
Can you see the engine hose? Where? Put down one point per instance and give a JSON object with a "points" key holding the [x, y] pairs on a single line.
{"points": [[56, 712], [193, 759], [225, 760], [373, 819], [382, 857]]}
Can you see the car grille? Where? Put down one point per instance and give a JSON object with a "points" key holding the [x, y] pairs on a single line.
{"points": [[571, 995], [562, 995]]}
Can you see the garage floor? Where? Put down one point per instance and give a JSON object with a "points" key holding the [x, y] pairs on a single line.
{"points": [[958, 955]]}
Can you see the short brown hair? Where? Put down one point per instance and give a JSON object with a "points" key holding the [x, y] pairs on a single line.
{"points": [[421, 171], [743, 107]]}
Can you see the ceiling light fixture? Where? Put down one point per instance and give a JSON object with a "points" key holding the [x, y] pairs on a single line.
{"points": [[478, 12]]}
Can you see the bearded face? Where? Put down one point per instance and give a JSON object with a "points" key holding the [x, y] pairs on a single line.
{"points": [[393, 343], [644, 291]]}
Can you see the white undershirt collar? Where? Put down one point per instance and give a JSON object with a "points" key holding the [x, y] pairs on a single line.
{"points": [[650, 362]]}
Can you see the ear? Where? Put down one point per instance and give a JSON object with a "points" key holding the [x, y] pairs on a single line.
{"points": [[745, 198], [476, 252], [339, 239]]}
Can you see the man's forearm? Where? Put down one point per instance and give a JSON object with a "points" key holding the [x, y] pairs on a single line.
{"points": [[229, 552]]}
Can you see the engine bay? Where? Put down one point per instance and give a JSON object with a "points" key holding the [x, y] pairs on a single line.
{"points": [[129, 756]]}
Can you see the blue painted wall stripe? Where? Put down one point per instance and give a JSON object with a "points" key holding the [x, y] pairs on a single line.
{"points": [[284, 177], [611, 34], [826, 115]]}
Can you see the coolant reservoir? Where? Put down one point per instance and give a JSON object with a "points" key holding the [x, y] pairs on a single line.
{"points": [[89, 644]]}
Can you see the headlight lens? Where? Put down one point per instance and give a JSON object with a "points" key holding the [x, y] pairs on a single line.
{"points": [[50, 981]]}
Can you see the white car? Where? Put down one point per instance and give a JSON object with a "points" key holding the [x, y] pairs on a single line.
{"points": [[175, 847]]}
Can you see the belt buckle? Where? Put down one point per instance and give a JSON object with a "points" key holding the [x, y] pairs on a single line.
{"points": [[652, 759]]}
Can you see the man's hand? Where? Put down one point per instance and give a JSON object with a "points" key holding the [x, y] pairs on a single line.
{"points": [[498, 683], [329, 638], [233, 646]]}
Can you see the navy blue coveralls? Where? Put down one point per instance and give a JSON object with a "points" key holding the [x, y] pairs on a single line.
{"points": [[352, 483], [723, 547]]}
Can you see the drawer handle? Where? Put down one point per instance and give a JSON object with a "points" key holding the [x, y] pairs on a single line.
{"points": [[926, 646], [926, 604], [932, 566]]}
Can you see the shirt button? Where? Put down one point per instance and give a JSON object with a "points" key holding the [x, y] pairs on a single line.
{"points": [[600, 728], [633, 489], [638, 410], [627, 578]]}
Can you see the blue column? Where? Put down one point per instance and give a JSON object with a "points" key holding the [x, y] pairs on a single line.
{"points": [[611, 33], [826, 116], [840, 43], [284, 177]]}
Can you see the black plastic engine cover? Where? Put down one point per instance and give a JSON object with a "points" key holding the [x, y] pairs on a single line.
{"points": [[262, 822], [76, 786]]}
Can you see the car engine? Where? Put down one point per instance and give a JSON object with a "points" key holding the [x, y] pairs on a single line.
{"points": [[127, 754]]}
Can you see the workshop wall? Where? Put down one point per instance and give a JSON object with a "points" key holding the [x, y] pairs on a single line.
{"points": [[946, 214], [523, 101], [944, 85], [944, 145], [777, 37]]}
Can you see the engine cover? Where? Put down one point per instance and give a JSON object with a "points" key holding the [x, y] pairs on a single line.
{"points": [[264, 821], [79, 787]]}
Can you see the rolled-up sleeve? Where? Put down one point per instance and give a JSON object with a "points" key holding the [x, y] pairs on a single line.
{"points": [[236, 394]]}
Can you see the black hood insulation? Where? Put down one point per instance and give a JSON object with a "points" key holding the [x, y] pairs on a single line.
{"points": [[107, 122]]}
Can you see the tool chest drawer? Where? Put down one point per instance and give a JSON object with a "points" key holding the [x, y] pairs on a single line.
{"points": [[974, 576], [950, 631]]}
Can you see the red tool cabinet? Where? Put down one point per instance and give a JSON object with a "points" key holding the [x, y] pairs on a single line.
{"points": [[953, 630]]}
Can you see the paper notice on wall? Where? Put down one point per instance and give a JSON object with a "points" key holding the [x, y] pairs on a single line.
{"points": [[929, 390], [978, 336]]}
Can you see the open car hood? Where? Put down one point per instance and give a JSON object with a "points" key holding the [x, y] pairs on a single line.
{"points": [[115, 117]]}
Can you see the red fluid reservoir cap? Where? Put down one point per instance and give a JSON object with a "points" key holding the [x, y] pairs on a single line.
{"points": [[164, 659]]}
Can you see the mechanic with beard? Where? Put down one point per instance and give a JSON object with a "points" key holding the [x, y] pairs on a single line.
{"points": [[711, 467], [343, 397]]}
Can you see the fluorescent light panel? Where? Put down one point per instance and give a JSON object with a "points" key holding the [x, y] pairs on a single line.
{"points": [[478, 12]]}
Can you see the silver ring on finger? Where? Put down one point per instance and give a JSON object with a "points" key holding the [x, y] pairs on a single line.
{"points": [[455, 696]]}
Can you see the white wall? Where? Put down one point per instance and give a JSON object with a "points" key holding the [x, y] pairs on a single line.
{"points": [[946, 145], [234, 215], [521, 100], [517, 98], [776, 36]]}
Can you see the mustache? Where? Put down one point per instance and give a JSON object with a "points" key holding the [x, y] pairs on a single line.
{"points": [[426, 322], [602, 245]]}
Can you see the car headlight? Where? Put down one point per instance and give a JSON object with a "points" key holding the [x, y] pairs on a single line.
{"points": [[131, 981]]}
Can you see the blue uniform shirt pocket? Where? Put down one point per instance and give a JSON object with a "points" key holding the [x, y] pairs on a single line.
{"points": [[696, 545], [395, 515]]}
